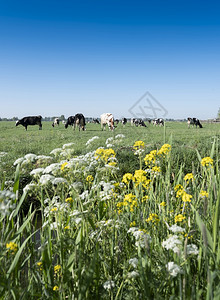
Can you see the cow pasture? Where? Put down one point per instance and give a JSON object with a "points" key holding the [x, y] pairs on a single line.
{"points": [[126, 214]]}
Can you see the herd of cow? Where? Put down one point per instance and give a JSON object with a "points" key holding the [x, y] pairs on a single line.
{"points": [[105, 119]]}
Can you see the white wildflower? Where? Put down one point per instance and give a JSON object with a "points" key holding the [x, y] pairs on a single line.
{"points": [[19, 161], [56, 151], [59, 180], [37, 171], [2, 154], [108, 285], [133, 262], [30, 157], [133, 274], [45, 179], [120, 136], [53, 168], [65, 146], [172, 243], [192, 249], [29, 187], [91, 140], [175, 228], [173, 269]]}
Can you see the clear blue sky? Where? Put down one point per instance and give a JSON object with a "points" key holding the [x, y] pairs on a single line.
{"points": [[65, 57]]}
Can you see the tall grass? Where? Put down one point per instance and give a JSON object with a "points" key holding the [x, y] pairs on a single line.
{"points": [[82, 228]]}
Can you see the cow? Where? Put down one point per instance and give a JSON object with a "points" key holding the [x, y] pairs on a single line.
{"points": [[139, 122], [107, 118], [33, 120], [80, 121], [193, 121], [123, 121], [95, 121], [56, 122], [70, 121], [159, 122], [132, 121]]}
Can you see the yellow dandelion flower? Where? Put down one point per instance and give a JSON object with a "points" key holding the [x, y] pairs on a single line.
{"points": [[55, 288]]}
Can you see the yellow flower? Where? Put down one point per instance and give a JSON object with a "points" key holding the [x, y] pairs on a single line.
{"points": [[138, 145], [163, 203], [67, 227], [54, 209], [55, 288], [186, 197], [189, 177], [178, 187], [153, 218], [89, 178], [156, 169], [112, 164], [104, 154], [207, 161], [164, 150], [204, 194], [179, 218], [140, 178], [133, 224], [69, 199], [145, 198], [13, 247], [40, 265], [150, 158], [63, 166], [57, 269], [127, 178]]}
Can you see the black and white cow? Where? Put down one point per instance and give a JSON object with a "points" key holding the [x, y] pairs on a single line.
{"points": [[32, 120], [77, 120], [70, 121], [80, 121], [56, 122], [95, 121], [124, 121], [158, 121], [194, 121], [139, 122]]}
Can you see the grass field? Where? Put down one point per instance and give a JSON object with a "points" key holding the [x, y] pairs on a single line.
{"points": [[129, 214]]}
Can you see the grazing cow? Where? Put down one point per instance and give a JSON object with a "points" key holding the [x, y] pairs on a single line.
{"points": [[194, 121], [95, 121], [80, 121], [124, 121], [107, 118], [56, 122], [34, 120], [139, 122], [132, 121], [159, 122], [70, 121]]}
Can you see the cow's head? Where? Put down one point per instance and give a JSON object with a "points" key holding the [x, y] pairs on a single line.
{"points": [[17, 123]]}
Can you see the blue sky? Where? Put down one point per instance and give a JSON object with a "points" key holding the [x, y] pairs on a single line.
{"points": [[65, 57]]}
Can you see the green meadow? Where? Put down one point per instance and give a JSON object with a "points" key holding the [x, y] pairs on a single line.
{"points": [[129, 214]]}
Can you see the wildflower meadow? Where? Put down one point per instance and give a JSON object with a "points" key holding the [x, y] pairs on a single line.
{"points": [[127, 218]]}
